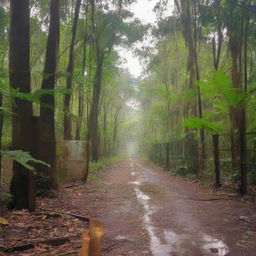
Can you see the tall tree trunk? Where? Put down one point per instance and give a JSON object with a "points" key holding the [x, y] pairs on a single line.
{"points": [[184, 8], [81, 91], [94, 113], [80, 112], [47, 145], [115, 129], [105, 129], [19, 57], [70, 70], [238, 117]]}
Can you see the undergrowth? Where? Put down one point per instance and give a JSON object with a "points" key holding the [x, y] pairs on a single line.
{"points": [[95, 168]]}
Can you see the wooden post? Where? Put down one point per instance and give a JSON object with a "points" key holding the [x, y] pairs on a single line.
{"points": [[243, 158], [216, 160], [84, 251], [91, 240], [96, 234]]}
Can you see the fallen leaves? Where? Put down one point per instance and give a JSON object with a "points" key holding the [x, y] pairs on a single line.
{"points": [[3, 221], [56, 231]]}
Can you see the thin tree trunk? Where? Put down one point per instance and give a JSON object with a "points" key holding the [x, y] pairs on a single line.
{"points": [[1, 134], [19, 58], [80, 112], [184, 10], [94, 113], [115, 130], [106, 106], [47, 145], [70, 70]]}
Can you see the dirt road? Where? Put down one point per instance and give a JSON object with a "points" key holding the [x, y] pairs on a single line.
{"points": [[145, 211], [149, 212]]}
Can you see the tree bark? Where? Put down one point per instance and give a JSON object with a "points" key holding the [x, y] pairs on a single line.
{"points": [[70, 70], [94, 113], [115, 129], [1, 133], [47, 145], [19, 74], [238, 117], [184, 9]]}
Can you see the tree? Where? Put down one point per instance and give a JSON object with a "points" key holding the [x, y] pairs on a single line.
{"points": [[47, 139], [19, 67], [234, 24], [109, 29], [188, 13], [70, 70], [3, 69]]}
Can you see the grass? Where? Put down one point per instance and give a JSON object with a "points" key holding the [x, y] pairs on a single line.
{"points": [[95, 168]]}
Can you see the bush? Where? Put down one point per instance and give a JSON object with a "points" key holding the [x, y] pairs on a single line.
{"points": [[96, 167]]}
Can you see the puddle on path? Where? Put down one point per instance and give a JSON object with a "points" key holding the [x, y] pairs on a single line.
{"points": [[157, 247], [138, 183], [214, 245], [172, 242]]}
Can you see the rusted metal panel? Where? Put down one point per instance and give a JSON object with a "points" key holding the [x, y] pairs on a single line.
{"points": [[71, 160]]}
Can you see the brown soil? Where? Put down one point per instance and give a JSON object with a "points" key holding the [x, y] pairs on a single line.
{"points": [[145, 211]]}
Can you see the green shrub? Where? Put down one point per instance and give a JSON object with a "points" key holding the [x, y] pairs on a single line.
{"points": [[96, 167]]}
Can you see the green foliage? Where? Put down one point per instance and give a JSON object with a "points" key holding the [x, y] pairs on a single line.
{"points": [[201, 123], [6, 111], [35, 96], [220, 85], [24, 158], [96, 167]]}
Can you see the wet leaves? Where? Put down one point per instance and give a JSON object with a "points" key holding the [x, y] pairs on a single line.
{"points": [[3, 221], [60, 234]]}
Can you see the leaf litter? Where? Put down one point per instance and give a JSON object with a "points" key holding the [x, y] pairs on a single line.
{"points": [[55, 228]]}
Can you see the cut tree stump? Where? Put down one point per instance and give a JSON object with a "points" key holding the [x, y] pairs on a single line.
{"points": [[91, 240]]}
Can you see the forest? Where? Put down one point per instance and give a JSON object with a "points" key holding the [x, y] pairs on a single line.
{"points": [[81, 133]]}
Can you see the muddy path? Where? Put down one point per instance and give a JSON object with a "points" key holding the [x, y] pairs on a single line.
{"points": [[149, 212], [145, 211]]}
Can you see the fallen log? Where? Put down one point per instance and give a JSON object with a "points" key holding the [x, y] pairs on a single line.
{"points": [[23, 247], [86, 219], [214, 199]]}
